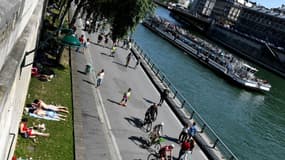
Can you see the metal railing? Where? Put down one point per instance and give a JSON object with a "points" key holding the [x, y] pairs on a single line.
{"points": [[189, 111]]}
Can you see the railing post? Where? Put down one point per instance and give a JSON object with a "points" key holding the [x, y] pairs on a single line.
{"points": [[203, 127], [175, 94], [157, 72], [215, 143], [148, 60], [152, 66], [192, 114], [182, 105], [162, 78]]}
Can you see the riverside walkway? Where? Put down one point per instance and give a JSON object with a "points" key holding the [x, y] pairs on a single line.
{"points": [[104, 129]]}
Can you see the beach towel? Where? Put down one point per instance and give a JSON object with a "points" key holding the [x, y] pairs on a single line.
{"points": [[42, 117]]}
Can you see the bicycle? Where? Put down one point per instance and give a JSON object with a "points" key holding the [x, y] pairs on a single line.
{"points": [[153, 156], [147, 122], [157, 144], [156, 156]]}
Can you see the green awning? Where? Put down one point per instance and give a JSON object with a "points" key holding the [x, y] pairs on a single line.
{"points": [[70, 40]]}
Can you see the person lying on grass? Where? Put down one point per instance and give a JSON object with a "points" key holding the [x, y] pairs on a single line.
{"points": [[30, 132], [46, 114], [41, 104], [49, 113]]}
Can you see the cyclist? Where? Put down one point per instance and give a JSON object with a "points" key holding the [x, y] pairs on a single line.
{"points": [[165, 152], [152, 111], [157, 131]]}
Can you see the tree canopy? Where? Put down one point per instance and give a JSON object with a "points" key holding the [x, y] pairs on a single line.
{"points": [[122, 16]]}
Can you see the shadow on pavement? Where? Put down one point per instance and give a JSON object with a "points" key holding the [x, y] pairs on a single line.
{"points": [[112, 101], [81, 72], [89, 82], [136, 122], [141, 142], [170, 139], [105, 54], [148, 101], [119, 63]]}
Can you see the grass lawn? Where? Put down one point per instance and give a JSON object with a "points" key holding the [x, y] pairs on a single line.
{"points": [[60, 145]]}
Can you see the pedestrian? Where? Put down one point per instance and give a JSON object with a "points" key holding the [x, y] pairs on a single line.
{"points": [[184, 133], [192, 145], [100, 38], [106, 39], [130, 45], [163, 96], [100, 77], [125, 43], [185, 146], [138, 62], [81, 40], [86, 44], [193, 130], [128, 59], [113, 51], [125, 98]]}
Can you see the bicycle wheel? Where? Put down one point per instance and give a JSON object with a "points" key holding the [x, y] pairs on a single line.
{"points": [[157, 146], [154, 117], [148, 126], [152, 156]]}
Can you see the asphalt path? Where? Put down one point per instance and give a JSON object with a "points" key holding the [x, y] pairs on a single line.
{"points": [[120, 133]]}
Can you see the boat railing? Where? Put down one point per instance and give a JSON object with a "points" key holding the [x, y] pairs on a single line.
{"points": [[186, 107]]}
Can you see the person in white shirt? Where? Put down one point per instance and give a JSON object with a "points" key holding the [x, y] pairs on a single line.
{"points": [[100, 77]]}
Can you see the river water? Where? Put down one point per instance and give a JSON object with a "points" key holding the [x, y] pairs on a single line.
{"points": [[251, 124]]}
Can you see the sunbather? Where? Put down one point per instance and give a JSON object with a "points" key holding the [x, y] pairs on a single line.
{"points": [[30, 132], [49, 113], [41, 104]]}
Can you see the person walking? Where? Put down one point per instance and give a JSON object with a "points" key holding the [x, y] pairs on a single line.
{"points": [[185, 146], [163, 96], [81, 40], [138, 62], [100, 38], [113, 51], [193, 130], [100, 77], [128, 59], [184, 133], [86, 44], [125, 98]]}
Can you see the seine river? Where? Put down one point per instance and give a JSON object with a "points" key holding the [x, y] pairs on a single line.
{"points": [[251, 124]]}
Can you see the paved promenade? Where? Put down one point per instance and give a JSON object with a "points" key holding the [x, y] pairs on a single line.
{"points": [[104, 129]]}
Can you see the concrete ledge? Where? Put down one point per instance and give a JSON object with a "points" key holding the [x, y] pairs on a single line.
{"points": [[79, 147]]}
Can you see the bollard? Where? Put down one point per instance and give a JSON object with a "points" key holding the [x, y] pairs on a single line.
{"points": [[88, 68]]}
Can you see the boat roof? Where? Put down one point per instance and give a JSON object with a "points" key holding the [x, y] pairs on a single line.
{"points": [[250, 67]]}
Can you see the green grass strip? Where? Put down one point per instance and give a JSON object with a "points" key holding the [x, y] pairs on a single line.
{"points": [[60, 144]]}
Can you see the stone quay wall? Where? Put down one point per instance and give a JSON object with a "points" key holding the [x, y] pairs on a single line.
{"points": [[20, 21]]}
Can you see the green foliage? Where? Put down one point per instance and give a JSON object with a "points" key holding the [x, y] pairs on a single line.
{"points": [[122, 15]]}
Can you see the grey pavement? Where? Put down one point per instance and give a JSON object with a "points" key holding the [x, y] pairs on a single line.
{"points": [[104, 129]]}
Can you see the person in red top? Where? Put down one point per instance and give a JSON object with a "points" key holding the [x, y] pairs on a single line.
{"points": [[29, 132], [81, 40], [166, 151], [185, 146]]}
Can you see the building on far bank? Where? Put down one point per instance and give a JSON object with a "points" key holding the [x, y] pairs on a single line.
{"points": [[265, 24], [224, 12]]}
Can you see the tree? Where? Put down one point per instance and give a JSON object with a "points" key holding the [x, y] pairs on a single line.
{"points": [[123, 16]]}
